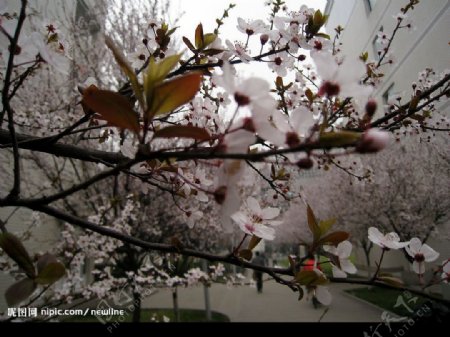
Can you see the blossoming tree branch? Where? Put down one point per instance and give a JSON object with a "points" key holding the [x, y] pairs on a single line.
{"points": [[180, 132]]}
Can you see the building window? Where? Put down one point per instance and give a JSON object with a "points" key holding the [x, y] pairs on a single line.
{"points": [[371, 4], [387, 97], [85, 18], [377, 44]]}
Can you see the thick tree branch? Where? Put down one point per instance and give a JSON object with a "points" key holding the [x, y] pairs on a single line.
{"points": [[229, 259], [154, 246], [9, 68], [70, 151], [15, 191], [61, 150], [84, 185]]}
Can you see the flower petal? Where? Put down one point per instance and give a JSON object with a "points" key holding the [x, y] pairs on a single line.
{"points": [[414, 247], [348, 266], [344, 249], [264, 232], [338, 273], [253, 206], [429, 253], [269, 213], [376, 236], [323, 295]]}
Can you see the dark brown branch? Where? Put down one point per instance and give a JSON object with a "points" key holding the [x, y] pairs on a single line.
{"points": [[15, 191], [21, 79], [420, 107], [270, 182], [70, 151], [84, 185], [12, 47], [154, 246], [229, 259], [406, 106], [61, 150]]}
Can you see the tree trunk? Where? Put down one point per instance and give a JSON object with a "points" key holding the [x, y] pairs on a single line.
{"points": [[206, 293], [176, 310], [137, 307], [367, 254]]}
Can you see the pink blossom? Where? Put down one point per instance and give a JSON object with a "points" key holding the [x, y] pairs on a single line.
{"points": [[373, 140]]}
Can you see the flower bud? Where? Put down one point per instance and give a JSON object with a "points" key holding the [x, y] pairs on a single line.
{"points": [[371, 108], [305, 163], [264, 38], [373, 140], [220, 194]]}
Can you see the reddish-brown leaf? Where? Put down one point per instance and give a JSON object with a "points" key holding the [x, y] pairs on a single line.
{"points": [[113, 107], [14, 248], [334, 238], [312, 223], [19, 291]]}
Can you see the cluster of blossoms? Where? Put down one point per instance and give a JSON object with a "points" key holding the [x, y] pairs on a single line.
{"points": [[48, 46], [168, 111], [418, 251]]}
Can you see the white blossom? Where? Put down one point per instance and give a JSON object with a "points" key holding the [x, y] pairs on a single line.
{"points": [[342, 251], [388, 241], [421, 253]]}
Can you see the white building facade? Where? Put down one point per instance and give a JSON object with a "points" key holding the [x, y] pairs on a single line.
{"points": [[426, 45], [423, 46]]}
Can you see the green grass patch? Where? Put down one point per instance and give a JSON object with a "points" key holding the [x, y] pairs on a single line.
{"points": [[152, 315], [396, 301]]}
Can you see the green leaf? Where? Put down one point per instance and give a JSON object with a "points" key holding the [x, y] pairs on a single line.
{"points": [[310, 278], [325, 36], [157, 72], [113, 107], [51, 273], [199, 42], [127, 69], [253, 242], [364, 56], [393, 281], [212, 52], [333, 238], [312, 223], [19, 291], [14, 248], [325, 225], [174, 93], [208, 39], [337, 139], [318, 17], [305, 277], [183, 131], [246, 254]]}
